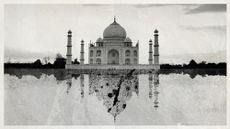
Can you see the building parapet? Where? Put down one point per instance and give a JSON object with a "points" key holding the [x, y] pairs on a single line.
{"points": [[113, 67]]}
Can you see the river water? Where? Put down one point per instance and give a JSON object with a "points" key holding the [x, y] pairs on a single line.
{"points": [[35, 98]]}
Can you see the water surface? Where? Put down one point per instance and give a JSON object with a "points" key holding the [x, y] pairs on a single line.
{"points": [[35, 98]]}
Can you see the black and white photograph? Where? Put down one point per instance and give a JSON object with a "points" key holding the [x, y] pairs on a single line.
{"points": [[114, 64]]}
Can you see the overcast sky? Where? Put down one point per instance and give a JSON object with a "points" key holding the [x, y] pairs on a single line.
{"points": [[185, 31]]}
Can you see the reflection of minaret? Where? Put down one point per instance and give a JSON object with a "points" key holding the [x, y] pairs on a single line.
{"points": [[156, 92], [136, 85], [82, 105], [150, 85], [82, 85], [69, 82]]}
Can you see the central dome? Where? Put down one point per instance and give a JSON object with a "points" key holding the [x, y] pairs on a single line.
{"points": [[114, 30]]}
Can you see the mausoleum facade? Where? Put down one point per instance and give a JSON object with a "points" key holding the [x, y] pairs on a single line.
{"points": [[114, 48]]}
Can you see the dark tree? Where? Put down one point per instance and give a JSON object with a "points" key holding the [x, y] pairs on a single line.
{"points": [[192, 63], [59, 61], [76, 61], [37, 64]]}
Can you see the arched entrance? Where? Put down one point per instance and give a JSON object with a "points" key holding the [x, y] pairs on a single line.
{"points": [[113, 57]]}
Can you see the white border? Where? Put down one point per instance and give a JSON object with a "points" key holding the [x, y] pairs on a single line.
{"points": [[3, 2]]}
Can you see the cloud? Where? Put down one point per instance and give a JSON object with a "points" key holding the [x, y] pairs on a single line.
{"points": [[95, 5], [207, 8], [214, 28], [216, 57], [134, 5], [12, 53], [149, 5]]}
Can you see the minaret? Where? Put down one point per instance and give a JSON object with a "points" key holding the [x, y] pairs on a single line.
{"points": [[150, 52], [69, 48], [82, 52], [156, 48]]}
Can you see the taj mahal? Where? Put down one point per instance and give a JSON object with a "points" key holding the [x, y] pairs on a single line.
{"points": [[114, 51]]}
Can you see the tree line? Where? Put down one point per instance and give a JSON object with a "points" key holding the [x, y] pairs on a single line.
{"points": [[194, 65], [59, 62]]}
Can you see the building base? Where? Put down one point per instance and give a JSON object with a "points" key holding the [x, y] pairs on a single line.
{"points": [[112, 67], [116, 69]]}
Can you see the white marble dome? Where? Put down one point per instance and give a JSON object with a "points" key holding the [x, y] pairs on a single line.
{"points": [[99, 40], [128, 40], [114, 30]]}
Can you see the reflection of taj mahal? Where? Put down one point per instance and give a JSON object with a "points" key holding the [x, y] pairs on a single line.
{"points": [[115, 90], [115, 50]]}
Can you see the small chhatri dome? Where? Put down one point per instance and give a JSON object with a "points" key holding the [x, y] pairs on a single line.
{"points": [[99, 40], [150, 40], [128, 40], [69, 32], [155, 31], [114, 30]]}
